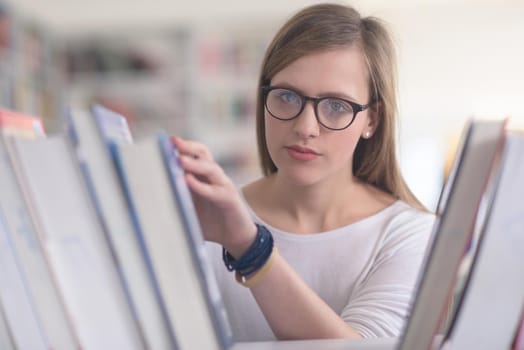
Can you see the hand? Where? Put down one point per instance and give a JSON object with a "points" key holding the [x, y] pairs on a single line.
{"points": [[221, 212]]}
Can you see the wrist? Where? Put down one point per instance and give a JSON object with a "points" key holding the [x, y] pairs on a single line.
{"points": [[254, 258], [241, 243]]}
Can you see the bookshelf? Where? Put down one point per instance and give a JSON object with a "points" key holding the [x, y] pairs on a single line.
{"points": [[194, 82], [31, 75]]}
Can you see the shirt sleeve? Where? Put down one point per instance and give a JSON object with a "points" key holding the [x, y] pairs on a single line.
{"points": [[379, 304]]}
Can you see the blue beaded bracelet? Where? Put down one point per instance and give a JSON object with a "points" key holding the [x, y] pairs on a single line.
{"points": [[255, 257]]}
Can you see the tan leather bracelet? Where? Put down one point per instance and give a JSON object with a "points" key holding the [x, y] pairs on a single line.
{"points": [[257, 276]]}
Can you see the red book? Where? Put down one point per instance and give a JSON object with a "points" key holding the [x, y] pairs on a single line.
{"points": [[15, 123]]}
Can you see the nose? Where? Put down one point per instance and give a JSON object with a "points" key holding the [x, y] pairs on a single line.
{"points": [[306, 124]]}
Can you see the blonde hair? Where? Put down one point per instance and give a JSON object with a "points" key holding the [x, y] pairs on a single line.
{"points": [[332, 26]]}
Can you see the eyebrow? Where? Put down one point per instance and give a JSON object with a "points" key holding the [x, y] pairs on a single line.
{"points": [[324, 94]]}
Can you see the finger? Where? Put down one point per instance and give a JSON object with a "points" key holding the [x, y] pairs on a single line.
{"points": [[197, 186], [209, 170], [204, 189], [192, 148]]}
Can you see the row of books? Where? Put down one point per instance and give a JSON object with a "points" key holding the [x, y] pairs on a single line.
{"points": [[470, 293], [100, 245]]}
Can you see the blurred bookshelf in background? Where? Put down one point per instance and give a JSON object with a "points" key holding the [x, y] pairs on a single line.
{"points": [[30, 70], [198, 80], [193, 82]]}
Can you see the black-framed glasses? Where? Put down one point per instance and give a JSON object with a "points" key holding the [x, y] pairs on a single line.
{"points": [[333, 113]]}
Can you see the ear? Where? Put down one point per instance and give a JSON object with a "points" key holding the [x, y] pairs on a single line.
{"points": [[373, 119]]}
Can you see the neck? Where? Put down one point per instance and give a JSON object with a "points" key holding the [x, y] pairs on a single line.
{"points": [[316, 208]]}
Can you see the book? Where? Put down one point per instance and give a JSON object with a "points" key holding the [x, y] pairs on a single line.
{"points": [[6, 339], [461, 213], [518, 342], [89, 134], [41, 291], [160, 222], [72, 236], [32, 259], [195, 241], [495, 283], [26, 329], [12, 122]]}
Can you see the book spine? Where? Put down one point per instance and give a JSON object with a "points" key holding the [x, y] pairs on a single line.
{"points": [[194, 235], [74, 143], [115, 155]]}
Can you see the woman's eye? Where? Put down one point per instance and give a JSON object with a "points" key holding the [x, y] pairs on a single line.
{"points": [[289, 97], [338, 106]]}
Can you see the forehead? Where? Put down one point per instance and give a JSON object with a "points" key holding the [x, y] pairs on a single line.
{"points": [[341, 71]]}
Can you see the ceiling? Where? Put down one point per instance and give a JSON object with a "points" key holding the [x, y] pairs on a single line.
{"points": [[73, 16]]}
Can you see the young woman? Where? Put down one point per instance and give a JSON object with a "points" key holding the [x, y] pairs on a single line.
{"points": [[349, 236]]}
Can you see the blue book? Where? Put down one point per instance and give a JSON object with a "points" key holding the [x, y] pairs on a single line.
{"points": [[195, 240], [174, 259], [91, 135]]}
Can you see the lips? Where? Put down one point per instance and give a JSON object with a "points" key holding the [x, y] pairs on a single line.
{"points": [[301, 153], [302, 149]]}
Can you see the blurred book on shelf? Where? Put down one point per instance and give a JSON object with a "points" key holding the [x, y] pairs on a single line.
{"points": [[96, 265], [6, 339], [460, 214], [20, 317], [32, 261], [20, 124], [73, 240], [89, 133], [494, 285], [518, 342]]}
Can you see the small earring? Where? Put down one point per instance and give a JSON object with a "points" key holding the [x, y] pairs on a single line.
{"points": [[367, 135]]}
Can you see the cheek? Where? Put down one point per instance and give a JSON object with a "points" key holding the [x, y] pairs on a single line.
{"points": [[270, 136], [343, 144], [274, 131]]}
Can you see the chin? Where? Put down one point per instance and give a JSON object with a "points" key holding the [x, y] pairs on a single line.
{"points": [[299, 177]]}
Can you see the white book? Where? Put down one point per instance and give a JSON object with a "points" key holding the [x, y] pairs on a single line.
{"points": [[158, 216], [40, 281], [92, 151], [461, 212], [14, 297], [488, 316], [6, 339], [72, 236]]}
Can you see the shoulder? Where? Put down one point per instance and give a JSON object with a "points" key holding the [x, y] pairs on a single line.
{"points": [[403, 213], [407, 227]]}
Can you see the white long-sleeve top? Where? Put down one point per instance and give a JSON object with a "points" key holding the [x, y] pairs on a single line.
{"points": [[366, 272]]}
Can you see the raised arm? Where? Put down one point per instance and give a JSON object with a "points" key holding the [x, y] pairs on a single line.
{"points": [[291, 308]]}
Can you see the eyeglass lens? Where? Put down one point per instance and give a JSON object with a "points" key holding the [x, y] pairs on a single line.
{"points": [[331, 112]]}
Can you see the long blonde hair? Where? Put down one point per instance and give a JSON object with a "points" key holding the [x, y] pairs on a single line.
{"points": [[332, 26]]}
